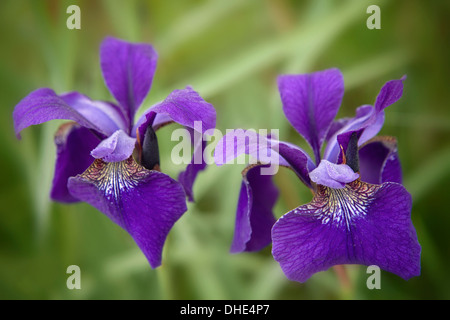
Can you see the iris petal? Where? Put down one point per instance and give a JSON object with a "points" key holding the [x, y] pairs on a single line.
{"points": [[73, 146], [238, 142], [379, 161], [263, 150], [310, 103], [44, 104], [389, 94], [105, 114], [128, 70], [185, 107], [145, 203], [197, 164], [369, 119], [360, 224], [254, 216], [298, 160]]}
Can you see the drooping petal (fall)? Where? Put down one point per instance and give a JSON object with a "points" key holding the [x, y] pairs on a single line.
{"points": [[379, 161], [146, 203], [197, 164], [73, 156], [359, 224], [254, 216]]}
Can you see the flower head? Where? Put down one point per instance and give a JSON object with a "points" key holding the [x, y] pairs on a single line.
{"points": [[95, 161], [360, 212]]}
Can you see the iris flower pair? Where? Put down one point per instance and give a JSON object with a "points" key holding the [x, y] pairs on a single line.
{"points": [[110, 161], [360, 212]]}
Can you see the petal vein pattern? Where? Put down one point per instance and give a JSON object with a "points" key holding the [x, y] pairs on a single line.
{"points": [[360, 224], [146, 203], [341, 206], [114, 178]]}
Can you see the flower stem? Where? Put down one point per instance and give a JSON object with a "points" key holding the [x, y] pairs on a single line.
{"points": [[344, 279]]}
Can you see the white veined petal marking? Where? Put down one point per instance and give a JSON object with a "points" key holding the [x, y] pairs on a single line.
{"points": [[112, 179], [114, 176], [341, 206]]}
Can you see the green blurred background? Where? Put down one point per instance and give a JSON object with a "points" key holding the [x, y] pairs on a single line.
{"points": [[231, 53]]}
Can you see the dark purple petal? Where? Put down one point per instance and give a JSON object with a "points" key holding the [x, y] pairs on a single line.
{"points": [[310, 103], [128, 70], [333, 175], [392, 169], [146, 203], [254, 216], [118, 147], [73, 146], [379, 161], [197, 164], [185, 107], [360, 224], [44, 105]]}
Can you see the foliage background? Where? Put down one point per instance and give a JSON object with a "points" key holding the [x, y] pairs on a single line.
{"points": [[230, 52]]}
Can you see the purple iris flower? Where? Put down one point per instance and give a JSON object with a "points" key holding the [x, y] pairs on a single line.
{"points": [[360, 212], [110, 161]]}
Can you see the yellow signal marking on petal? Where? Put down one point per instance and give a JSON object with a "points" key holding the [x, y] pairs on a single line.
{"points": [[340, 206]]}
